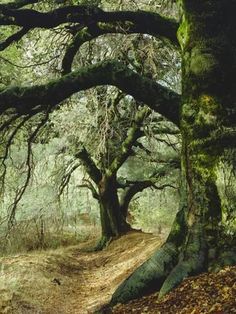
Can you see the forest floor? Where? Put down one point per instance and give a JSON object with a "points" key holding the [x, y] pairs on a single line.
{"points": [[74, 281]]}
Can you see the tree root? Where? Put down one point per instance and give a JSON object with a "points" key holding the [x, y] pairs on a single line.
{"points": [[148, 277], [181, 271], [166, 268], [192, 260], [151, 274]]}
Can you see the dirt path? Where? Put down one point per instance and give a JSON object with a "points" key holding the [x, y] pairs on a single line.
{"points": [[70, 281], [103, 271]]}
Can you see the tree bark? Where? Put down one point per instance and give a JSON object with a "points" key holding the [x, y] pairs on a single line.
{"points": [[113, 222], [30, 99], [207, 38]]}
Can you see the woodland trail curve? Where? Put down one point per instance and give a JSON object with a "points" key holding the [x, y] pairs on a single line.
{"points": [[70, 280]]}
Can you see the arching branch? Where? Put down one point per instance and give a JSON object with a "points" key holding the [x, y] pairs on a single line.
{"points": [[95, 30], [131, 188], [88, 17], [138, 187], [151, 23], [39, 97], [83, 36]]}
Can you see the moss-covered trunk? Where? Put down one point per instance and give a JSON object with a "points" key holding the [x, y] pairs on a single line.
{"points": [[207, 36], [113, 222]]}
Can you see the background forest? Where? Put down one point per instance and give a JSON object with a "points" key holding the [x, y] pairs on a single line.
{"points": [[47, 196]]}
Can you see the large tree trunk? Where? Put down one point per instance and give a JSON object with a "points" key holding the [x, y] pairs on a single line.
{"points": [[113, 222], [207, 37]]}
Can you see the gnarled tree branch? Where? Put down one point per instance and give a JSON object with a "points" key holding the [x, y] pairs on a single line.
{"points": [[95, 30], [138, 187], [152, 23], [90, 166], [131, 188], [126, 148], [106, 22], [39, 97]]}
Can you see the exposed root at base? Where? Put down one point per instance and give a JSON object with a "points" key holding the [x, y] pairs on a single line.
{"points": [[148, 277]]}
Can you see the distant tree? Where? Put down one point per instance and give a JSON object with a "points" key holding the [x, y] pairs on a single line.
{"points": [[204, 112], [114, 194]]}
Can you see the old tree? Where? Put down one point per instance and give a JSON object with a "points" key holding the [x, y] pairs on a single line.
{"points": [[204, 113]]}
